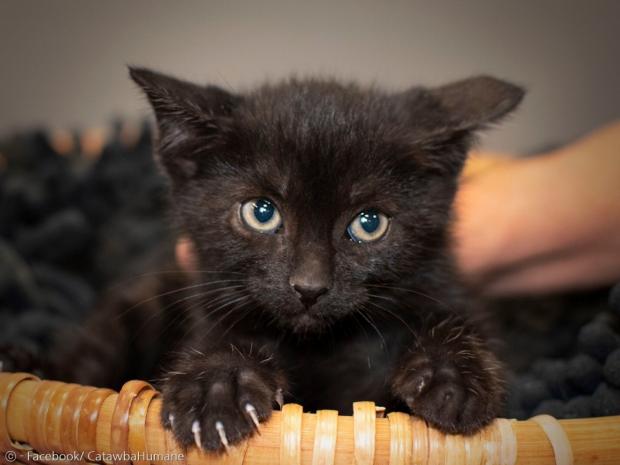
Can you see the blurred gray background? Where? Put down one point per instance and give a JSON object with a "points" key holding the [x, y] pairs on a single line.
{"points": [[62, 62]]}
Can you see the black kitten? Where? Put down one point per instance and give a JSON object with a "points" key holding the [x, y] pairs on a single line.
{"points": [[320, 215]]}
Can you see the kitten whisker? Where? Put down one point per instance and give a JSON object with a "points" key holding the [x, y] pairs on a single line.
{"points": [[370, 321], [201, 295], [174, 291], [391, 313], [362, 327], [230, 312], [130, 279], [234, 348], [206, 316], [412, 291], [187, 312], [204, 302], [241, 317]]}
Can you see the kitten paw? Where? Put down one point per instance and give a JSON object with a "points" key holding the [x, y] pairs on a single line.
{"points": [[219, 406], [453, 395]]}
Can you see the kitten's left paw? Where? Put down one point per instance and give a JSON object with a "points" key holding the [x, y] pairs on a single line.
{"points": [[455, 396]]}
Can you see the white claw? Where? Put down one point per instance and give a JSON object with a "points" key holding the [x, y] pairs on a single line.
{"points": [[280, 398], [249, 408], [171, 420], [196, 431], [219, 427]]}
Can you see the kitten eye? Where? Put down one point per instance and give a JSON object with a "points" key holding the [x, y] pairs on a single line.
{"points": [[261, 215], [368, 226]]}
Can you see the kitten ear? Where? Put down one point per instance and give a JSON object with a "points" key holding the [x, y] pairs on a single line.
{"points": [[475, 102], [190, 118], [448, 117]]}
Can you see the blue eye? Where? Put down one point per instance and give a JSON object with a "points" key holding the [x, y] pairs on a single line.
{"points": [[368, 226], [263, 210], [261, 215]]}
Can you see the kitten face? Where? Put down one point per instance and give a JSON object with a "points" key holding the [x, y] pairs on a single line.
{"points": [[313, 194]]}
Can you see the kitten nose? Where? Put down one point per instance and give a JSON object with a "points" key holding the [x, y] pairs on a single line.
{"points": [[309, 292], [310, 276]]}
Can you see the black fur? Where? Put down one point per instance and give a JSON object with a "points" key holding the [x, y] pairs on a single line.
{"points": [[394, 326]]}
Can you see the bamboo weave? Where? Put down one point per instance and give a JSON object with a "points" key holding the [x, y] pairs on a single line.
{"points": [[42, 417]]}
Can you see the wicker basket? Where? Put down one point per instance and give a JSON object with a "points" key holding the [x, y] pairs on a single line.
{"points": [[42, 420]]}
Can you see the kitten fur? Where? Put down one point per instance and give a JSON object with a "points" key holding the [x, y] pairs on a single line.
{"points": [[393, 324]]}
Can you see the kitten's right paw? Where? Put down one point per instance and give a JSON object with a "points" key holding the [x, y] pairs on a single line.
{"points": [[219, 406]]}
